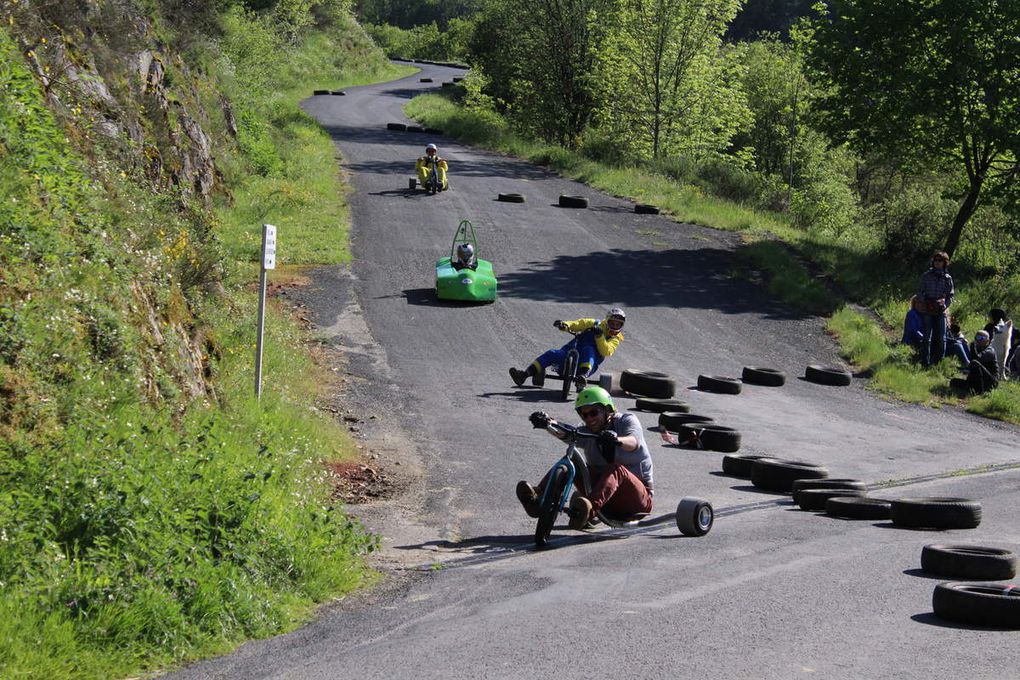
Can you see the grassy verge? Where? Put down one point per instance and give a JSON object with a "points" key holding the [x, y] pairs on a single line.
{"points": [[814, 271], [151, 511]]}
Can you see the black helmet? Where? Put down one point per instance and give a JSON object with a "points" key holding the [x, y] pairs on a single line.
{"points": [[465, 251]]}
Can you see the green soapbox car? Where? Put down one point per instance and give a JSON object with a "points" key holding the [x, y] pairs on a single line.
{"points": [[473, 282]]}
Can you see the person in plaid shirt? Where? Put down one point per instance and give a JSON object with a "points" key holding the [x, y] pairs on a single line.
{"points": [[934, 296]]}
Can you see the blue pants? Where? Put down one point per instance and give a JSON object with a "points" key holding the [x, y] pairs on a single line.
{"points": [[933, 344], [588, 358], [958, 349]]}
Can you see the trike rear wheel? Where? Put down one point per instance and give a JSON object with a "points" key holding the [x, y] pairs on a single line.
{"points": [[553, 499]]}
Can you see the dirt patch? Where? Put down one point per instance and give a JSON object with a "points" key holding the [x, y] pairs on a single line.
{"points": [[355, 483]]}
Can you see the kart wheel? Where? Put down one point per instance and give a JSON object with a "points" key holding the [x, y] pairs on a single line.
{"points": [[645, 209], [769, 377], [510, 198], [719, 383], [573, 202], [647, 384], [553, 500], [824, 375], [412, 183], [400, 127], [569, 369], [694, 516]]}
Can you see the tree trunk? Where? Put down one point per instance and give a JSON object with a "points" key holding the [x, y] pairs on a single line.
{"points": [[964, 214]]}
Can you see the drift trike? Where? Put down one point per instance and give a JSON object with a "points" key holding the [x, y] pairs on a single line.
{"points": [[567, 372], [693, 516], [473, 281]]}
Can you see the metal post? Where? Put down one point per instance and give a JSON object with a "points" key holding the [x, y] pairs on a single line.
{"points": [[267, 262]]}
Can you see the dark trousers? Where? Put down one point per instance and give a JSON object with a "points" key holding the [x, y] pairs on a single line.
{"points": [[933, 342]]}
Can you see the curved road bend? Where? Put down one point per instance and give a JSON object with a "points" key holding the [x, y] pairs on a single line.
{"points": [[771, 592]]}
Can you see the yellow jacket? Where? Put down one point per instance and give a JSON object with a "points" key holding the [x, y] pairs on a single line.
{"points": [[603, 343]]}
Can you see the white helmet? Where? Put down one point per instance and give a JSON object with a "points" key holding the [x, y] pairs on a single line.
{"points": [[431, 147], [465, 251], [616, 314]]}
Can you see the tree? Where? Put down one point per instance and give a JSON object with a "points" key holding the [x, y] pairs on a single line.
{"points": [[935, 81]]}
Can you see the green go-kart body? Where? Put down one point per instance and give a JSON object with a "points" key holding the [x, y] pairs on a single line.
{"points": [[476, 283]]}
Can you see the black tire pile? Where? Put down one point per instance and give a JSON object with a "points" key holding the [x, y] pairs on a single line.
{"points": [[981, 598]]}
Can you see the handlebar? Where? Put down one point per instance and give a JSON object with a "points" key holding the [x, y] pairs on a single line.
{"points": [[570, 433]]}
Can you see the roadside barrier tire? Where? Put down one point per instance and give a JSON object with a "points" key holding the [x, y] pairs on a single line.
{"points": [[720, 384], [661, 405], [769, 377], [573, 201], [712, 437], [813, 500], [858, 507], [412, 183], [400, 127], [828, 375], [510, 198], [338, 93], [447, 83], [674, 420], [694, 516], [982, 563], [990, 604], [647, 383], [827, 483], [433, 131], [934, 512], [778, 475], [424, 80], [740, 466], [457, 79], [318, 92], [415, 128], [646, 209]]}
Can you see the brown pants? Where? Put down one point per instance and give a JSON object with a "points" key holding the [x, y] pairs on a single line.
{"points": [[615, 489]]}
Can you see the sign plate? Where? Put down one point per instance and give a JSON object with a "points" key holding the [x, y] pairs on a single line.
{"points": [[268, 246]]}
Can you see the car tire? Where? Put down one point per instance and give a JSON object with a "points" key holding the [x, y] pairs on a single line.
{"points": [[858, 507], [719, 384], [828, 375], [778, 475], [711, 436], [934, 512], [674, 420], [978, 562], [661, 405], [573, 201], [813, 500], [827, 483], [510, 198], [739, 466], [646, 209], [987, 604], [769, 377], [647, 384], [694, 516], [400, 127]]}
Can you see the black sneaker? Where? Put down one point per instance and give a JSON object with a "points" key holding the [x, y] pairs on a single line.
{"points": [[580, 382], [528, 496], [518, 376]]}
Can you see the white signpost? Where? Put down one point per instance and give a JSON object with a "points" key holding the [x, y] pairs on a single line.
{"points": [[268, 262]]}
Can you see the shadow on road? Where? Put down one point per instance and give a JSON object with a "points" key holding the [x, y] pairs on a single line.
{"points": [[426, 297], [930, 619], [526, 394], [682, 279]]}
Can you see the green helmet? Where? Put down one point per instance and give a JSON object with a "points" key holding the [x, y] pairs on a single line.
{"points": [[594, 395]]}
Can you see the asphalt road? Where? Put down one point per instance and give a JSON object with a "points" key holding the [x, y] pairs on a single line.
{"points": [[770, 592]]}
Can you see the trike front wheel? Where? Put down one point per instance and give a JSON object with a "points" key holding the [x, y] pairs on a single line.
{"points": [[569, 372], [555, 486]]}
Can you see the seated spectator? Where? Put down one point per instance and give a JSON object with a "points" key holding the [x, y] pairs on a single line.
{"points": [[913, 328], [1000, 330], [982, 370], [956, 344]]}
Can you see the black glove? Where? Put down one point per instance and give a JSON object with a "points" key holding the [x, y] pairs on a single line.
{"points": [[608, 440], [598, 331], [539, 420], [560, 325]]}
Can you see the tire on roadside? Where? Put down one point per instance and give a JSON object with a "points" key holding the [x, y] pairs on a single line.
{"points": [[858, 507], [827, 483], [674, 420], [828, 375], [936, 512], [990, 604], [719, 384], [813, 500], [400, 127], [412, 182], [510, 198], [606, 381], [415, 128], [338, 93], [962, 561], [319, 92], [661, 405], [778, 475], [740, 465], [573, 201], [712, 437], [424, 80], [769, 377], [647, 383], [646, 209]]}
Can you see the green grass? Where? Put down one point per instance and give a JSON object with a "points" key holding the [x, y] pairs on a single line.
{"points": [[813, 271]]}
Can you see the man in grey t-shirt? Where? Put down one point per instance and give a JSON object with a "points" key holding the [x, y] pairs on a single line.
{"points": [[619, 463]]}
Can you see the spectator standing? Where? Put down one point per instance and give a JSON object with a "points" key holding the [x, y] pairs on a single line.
{"points": [[934, 296]]}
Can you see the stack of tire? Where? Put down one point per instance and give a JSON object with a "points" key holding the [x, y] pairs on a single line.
{"points": [[982, 598]]}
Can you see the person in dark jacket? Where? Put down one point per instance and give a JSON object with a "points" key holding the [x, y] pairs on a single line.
{"points": [[982, 372], [934, 296]]}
